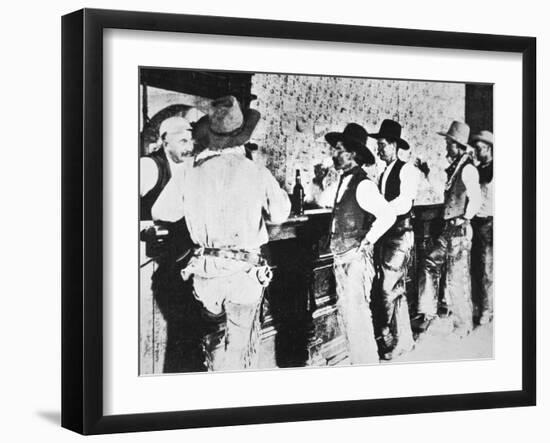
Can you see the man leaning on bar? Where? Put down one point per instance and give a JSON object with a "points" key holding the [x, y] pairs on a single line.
{"points": [[226, 198]]}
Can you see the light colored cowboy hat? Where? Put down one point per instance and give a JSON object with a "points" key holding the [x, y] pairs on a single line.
{"points": [[459, 132], [225, 125], [484, 136]]}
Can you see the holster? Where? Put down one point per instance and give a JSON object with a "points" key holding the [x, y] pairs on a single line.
{"points": [[259, 268]]}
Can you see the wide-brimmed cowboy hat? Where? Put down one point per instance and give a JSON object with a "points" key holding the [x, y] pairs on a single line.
{"points": [[390, 129], [354, 139], [484, 136], [459, 132], [225, 125]]}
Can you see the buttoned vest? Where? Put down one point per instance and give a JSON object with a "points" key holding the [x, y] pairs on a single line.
{"points": [[455, 198], [350, 223], [393, 186]]}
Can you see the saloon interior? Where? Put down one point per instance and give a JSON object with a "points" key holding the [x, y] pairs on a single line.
{"points": [[298, 315]]}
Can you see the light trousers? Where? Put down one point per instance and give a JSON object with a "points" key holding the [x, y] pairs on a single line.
{"points": [[394, 250], [354, 273]]}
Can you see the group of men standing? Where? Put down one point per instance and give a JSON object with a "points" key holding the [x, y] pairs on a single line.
{"points": [[372, 240], [201, 174]]}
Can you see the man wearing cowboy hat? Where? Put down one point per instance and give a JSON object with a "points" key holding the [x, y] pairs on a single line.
{"points": [[452, 248], [225, 198], [398, 185], [360, 216], [482, 223]]}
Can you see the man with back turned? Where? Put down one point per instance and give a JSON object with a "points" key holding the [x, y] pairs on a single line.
{"points": [[226, 198]]}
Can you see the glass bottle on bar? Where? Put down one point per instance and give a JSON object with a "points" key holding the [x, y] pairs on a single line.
{"points": [[298, 196]]}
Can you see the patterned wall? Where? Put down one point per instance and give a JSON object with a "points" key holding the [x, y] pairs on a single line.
{"points": [[297, 111]]}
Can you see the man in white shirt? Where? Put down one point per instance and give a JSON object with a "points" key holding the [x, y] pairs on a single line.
{"points": [[462, 199], [482, 223], [174, 146], [398, 185], [360, 216], [225, 199], [165, 243]]}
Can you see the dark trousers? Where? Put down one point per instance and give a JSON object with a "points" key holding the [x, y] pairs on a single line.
{"points": [[185, 326], [451, 251], [482, 263], [394, 253]]}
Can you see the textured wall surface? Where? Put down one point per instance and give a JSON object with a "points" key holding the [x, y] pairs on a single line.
{"points": [[297, 111]]}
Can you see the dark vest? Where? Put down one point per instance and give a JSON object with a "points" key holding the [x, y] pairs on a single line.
{"points": [[393, 186], [350, 223], [455, 198], [149, 199], [178, 240]]}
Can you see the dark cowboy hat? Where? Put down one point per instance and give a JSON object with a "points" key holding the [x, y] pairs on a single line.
{"points": [[390, 129], [354, 139], [225, 125]]}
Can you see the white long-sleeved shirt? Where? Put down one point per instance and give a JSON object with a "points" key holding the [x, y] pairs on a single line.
{"points": [[370, 199], [224, 198], [149, 173], [409, 178], [486, 208], [470, 177]]}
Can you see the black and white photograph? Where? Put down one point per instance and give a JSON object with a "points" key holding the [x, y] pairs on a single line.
{"points": [[289, 220], [271, 222]]}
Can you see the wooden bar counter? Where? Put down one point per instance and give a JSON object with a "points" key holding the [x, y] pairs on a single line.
{"points": [[300, 319], [300, 324], [298, 315]]}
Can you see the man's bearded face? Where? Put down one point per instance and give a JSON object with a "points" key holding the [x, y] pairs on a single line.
{"points": [[342, 159]]}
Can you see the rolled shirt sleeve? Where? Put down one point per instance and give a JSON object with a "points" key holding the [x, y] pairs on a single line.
{"points": [[470, 177], [277, 203], [371, 200]]}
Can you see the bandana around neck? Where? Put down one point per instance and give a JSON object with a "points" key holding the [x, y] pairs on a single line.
{"points": [[209, 154], [454, 168]]}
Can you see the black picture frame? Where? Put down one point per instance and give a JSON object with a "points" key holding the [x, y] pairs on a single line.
{"points": [[82, 220]]}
